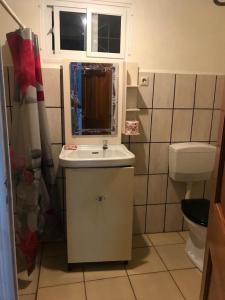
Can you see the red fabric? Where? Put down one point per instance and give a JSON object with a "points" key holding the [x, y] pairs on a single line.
{"points": [[28, 243], [23, 58], [40, 93]]}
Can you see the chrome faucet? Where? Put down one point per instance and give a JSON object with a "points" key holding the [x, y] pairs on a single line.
{"points": [[105, 144]]}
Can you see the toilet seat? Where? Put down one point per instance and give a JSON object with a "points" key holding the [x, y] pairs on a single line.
{"points": [[197, 210]]}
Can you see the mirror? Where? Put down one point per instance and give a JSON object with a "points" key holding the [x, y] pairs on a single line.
{"points": [[93, 95]]}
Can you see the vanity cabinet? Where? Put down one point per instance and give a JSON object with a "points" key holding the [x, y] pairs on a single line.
{"points": [[99, 203]]}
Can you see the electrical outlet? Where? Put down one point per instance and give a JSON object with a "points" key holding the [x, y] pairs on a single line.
{"points": [[144, 80]]}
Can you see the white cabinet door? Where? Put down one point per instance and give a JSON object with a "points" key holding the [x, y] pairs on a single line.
{"points": [[99, 214]]}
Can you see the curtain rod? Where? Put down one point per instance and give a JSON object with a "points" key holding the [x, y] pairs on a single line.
{"points": [[12, 14]]}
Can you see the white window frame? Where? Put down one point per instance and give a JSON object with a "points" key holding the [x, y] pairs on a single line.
{"points": [[58, 50], [113, 11]]}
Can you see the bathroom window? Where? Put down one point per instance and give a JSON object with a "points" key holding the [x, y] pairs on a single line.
{"points": [[91, 31]]}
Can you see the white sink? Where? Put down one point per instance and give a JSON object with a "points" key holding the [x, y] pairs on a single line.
{"points": [[89, 156]]}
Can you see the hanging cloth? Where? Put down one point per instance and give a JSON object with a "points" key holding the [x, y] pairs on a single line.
{"points": [[31, 156]]}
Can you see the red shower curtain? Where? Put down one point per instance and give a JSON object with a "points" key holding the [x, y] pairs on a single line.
{"points": [[31, 157]]}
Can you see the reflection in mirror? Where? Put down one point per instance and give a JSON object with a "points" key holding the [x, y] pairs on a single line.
{"points": [[93, 94]]}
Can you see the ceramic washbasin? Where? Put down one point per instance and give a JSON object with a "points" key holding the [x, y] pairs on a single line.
{"points": [[89, 156]]}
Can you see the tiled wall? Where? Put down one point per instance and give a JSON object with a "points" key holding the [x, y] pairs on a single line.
{"points": [[53, 96], [173, 108]]}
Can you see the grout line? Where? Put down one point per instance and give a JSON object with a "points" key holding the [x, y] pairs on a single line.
{"points": [[60, 284], [193, 109], [130, 284], [85, 289], [212, 118]]}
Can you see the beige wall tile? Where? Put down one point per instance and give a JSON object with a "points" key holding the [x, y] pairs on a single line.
{"points": [[215, 125], [55, 125], [174, 256], [159, 155], [174, 217], [155, 218], [144, 118], [110, 289], [182, 120], [163, 90], [176, 191], [220, 92], [68, 292], [52, 89], [161, 125], [154, 286], [139, 219], [201, 125], [185, 89], [205, 89], [189, 282], [157, 185], [141, 151], [145, 92], [56, 149], [145, 260], [140, 189], [125, 138]]}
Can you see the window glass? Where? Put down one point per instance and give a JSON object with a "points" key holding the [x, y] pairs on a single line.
{"points": [[106, 32], [72, 31]]}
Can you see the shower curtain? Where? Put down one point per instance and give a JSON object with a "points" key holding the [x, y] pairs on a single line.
{"points": [[31, 156]]}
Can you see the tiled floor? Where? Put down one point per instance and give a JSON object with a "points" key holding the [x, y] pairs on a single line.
{"points": [[159, 270]]}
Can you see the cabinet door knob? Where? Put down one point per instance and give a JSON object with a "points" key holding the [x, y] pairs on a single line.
{"points": [[100, 198]]}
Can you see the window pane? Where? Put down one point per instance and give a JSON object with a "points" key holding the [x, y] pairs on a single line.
{"points": [[106, 32], [72, 31]]}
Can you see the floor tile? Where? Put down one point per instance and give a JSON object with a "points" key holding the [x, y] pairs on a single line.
{"points": [[141, 240], [155, 286], [27, 297], [109, 289], [174, 256], [68, 292], [184, 234], [189, 282], [54, 249], [103, 270], [167, 238], [28, 284], [145, 260], [54, 272]]}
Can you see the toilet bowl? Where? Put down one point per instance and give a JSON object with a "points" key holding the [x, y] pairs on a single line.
{"points": [[196, 213], [193, 162]]}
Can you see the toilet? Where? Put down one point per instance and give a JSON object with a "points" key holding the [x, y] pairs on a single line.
{"points": [[192, 162]]}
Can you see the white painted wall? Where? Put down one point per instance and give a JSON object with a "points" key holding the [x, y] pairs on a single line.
{"points": [[166, 35]]}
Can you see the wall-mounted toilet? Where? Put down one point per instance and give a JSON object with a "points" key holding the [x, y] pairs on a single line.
{"points": [[191, 162]]}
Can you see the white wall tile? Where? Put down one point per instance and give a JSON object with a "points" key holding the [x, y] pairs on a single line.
{"points": [[161, 125], [141, 151], [185, 89], [182, 120], [55, 125], [139, 219], [140, 189], [215, 125], [205, 89], [220, 91], [145, 92], [159, 154], [157, 185], [174, 217], [197, 190], [155, 218], [52, 89], [144, 118], [201, 125], [164, 90], [176, 191]]}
